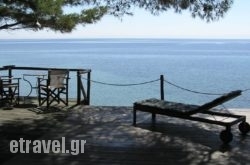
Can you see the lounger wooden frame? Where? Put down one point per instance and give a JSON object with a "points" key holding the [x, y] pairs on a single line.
{"points": [[189, 112]]}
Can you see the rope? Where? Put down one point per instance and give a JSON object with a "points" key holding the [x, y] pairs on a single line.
{"points": [[193, 91], [112, 84], [245, 90], [147, 82]]}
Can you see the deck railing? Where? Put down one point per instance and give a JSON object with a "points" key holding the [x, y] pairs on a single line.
{"points": [[83, 92]]}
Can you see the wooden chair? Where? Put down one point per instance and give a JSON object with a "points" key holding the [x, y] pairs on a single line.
{"points": [[190, 112], [53, 88], [9, 90]]}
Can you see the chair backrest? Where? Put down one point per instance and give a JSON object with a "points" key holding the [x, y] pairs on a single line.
{"points": [[57, 78]]}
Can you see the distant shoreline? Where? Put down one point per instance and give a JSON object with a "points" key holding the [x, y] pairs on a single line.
{"points": [[208, 39]]}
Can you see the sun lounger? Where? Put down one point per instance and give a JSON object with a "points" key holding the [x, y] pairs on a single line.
{"points": [[190, 112]]}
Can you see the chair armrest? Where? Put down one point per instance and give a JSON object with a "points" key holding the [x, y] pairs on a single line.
{"points": [[7, 79], [42, 82]]}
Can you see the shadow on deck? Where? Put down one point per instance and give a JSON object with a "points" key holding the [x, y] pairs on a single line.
{"points": [[111, 138]]}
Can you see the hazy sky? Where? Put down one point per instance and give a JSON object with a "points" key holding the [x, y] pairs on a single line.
{"points": [[235, 24]]}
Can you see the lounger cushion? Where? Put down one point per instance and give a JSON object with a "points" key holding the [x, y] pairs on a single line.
{"points": [[165, 107], [177, 109]]}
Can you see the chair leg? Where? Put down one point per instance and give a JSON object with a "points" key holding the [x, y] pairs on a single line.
{"points": [[55, 95], [18, 96], [39, 96], [47, 99], [67, 99], [67, 94]]}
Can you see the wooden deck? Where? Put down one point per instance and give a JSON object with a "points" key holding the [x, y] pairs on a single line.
{"points": [[111, 138]]}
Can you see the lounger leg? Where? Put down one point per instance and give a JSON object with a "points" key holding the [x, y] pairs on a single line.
{"points": [[226, 136], [153, 118], [134, 117]]}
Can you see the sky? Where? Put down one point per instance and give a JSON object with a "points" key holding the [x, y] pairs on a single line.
{"points": [[234, 25]]}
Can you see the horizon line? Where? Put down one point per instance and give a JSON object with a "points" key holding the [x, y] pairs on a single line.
{"points": [[125, 38]]}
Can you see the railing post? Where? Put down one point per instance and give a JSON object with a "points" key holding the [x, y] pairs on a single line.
{"points": [[9, 68], [78, 87], [162, 86], [10, 76], [10, 72], [88, 87]]}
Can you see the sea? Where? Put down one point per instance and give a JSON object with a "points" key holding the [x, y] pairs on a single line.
{"points": [[121, 68]]}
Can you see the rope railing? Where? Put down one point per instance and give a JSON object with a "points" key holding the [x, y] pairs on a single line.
{"points": [[192, 91], [162, 81], [246, 90], [114, 84]]}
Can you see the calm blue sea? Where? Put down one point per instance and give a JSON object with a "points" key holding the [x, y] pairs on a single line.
{"points": [[213, 66]]}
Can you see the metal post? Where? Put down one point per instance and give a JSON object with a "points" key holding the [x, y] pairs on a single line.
{"points": [[162, 87]]}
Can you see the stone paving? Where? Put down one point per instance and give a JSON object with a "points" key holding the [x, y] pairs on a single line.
{"points": [[111, 138]]}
